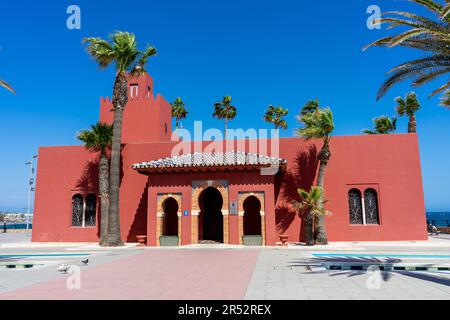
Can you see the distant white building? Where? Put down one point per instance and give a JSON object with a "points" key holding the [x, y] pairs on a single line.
{"points": [[16, 216]]}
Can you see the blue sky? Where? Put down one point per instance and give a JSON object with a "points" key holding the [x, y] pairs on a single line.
{"points": [[281, 52]]}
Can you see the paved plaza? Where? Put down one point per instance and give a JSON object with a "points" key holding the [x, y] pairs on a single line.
{"points": [[225, 272]]}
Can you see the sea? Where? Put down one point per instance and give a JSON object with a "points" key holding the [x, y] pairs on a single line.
{"points": [[439, 219], [18, 226]]}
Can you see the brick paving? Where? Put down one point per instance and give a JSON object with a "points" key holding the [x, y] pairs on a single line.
{"points": [[155, 274]]}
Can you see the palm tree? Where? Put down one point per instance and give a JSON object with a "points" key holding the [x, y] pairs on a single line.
{"points": [[311, 209], [318, 123], [99, 139], [178, 111], [276, 116], [122, 51], [430, 35], [224, 110], [408, 106], [383, 125], [5, 85]]}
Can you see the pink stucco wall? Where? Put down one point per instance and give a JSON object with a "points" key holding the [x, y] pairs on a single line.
{"points": [[388, 163]]}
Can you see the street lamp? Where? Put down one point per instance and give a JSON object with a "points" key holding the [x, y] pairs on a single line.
{"points": [[30, 188]]}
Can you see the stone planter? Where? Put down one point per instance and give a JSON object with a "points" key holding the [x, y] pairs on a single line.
{"points": [[168, 241], [252, 240], [283, 239], [142, 240]]}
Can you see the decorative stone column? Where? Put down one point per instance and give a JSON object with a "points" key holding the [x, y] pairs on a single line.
{"points": [[263, 227], [194, 226], [226, 231], [241, 226], [179, 227], [159, 226]]}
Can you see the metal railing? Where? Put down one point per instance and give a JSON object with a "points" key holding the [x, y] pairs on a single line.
{"points": [[440, 223]]}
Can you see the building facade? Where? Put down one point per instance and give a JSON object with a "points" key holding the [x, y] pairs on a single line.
{"points": [[193, 192]]}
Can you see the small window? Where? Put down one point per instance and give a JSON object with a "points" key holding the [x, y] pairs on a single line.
{"points": [[84, 210], [91, 210], [149, 91], [363, 207], [134, 90], [371, 206], [77, 210], [165, 128], [355, 207]]}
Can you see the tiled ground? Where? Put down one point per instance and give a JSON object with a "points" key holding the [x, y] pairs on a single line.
{"points": [[285, 275], [225, 273], [163, 274]]}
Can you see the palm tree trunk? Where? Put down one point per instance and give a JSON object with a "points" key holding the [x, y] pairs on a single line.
{"points": [[226, 128], [309, 233], [120, 99], [324, 156], [103, 180], [412, 125]]}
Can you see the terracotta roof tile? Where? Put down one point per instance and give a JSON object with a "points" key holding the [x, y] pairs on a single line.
{"points": [[233, 158]]}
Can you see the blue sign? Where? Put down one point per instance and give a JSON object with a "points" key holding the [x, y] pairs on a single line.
{"points": [[186, 213]]}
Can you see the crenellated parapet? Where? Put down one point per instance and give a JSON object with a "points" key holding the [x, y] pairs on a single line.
{"points": [[146, 118]]}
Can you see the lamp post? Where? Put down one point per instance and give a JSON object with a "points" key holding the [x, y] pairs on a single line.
{"points": [[30, 188]]}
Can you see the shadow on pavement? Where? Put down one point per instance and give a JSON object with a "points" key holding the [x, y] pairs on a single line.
{"points": [[385, 275]]}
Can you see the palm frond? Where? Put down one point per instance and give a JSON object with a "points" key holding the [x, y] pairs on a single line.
{"points": [[98, 137], [275, 115], [430, 75], [139, 68], [318, 123], [430, 5], [416, 69], [224, 109], [445, 100], [405, 36], [383, 125], [100, 50], [310, 202], [440, 89], [445, 11], [310, 107], [424, 33], [7, 86], [408, 106]]}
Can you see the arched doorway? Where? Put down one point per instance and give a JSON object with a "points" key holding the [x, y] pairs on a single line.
{"points": [[211, 218], [170, 207], [252, 216]]}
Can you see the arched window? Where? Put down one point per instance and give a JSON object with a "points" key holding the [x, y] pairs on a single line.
{"points": [[77, 210], [91, 210], [355, 207], [371, 206], [134, 90]]}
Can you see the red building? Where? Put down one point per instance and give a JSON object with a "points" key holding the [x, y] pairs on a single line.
{"points": [[373, 185]]}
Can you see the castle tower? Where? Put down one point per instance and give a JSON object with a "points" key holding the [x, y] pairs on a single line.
{"points": [[146, 118]]}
